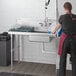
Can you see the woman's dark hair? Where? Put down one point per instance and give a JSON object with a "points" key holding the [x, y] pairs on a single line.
{"points": [[68, 6]]}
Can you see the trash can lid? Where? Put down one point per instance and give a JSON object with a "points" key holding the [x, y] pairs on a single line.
{"points": [[4, 36]]}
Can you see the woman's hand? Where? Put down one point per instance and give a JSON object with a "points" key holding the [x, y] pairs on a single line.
{"points": [[53, 32], [56, 28]]}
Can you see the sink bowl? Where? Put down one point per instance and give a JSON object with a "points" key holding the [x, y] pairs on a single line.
{"points": [[41, 29], [39, 38]]}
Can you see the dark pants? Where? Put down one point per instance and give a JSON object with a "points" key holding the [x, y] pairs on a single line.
{"points": [[69, 42]]}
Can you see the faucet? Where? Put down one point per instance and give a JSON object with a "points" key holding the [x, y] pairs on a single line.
{"points": [[46, 19], [47, 3], [45, 23], [41, 24], [46, 7]]}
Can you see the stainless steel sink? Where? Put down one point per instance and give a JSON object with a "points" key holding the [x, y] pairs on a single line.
{"points": [[40, 32]]}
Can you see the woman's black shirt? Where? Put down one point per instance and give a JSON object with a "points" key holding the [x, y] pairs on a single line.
{"points": [[68, 23]]}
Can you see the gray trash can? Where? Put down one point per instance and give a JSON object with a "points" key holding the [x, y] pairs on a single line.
{"points": [[5, 52]]}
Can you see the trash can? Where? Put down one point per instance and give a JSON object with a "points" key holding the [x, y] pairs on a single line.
{"points": [[5, 49]]}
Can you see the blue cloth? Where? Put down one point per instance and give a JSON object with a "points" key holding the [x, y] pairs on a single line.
{"points": [[60, 32]]}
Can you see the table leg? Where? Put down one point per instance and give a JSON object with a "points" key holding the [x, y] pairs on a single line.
{"points": [[21, 48], [11, 54], [18, 49]]}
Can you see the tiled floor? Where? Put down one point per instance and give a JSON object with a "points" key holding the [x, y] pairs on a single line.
{"points": [[31, 69], [13, 74], [36, 69]]}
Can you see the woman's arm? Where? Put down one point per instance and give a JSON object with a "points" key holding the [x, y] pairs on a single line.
{"points": [[56, 28]]}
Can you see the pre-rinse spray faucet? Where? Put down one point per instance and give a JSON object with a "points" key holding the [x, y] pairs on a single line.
{"points": [[46, 7], [46, 18], [47, 3]]}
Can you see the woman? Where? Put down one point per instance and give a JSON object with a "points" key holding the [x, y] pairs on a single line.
{"points": [[68, 39]]}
